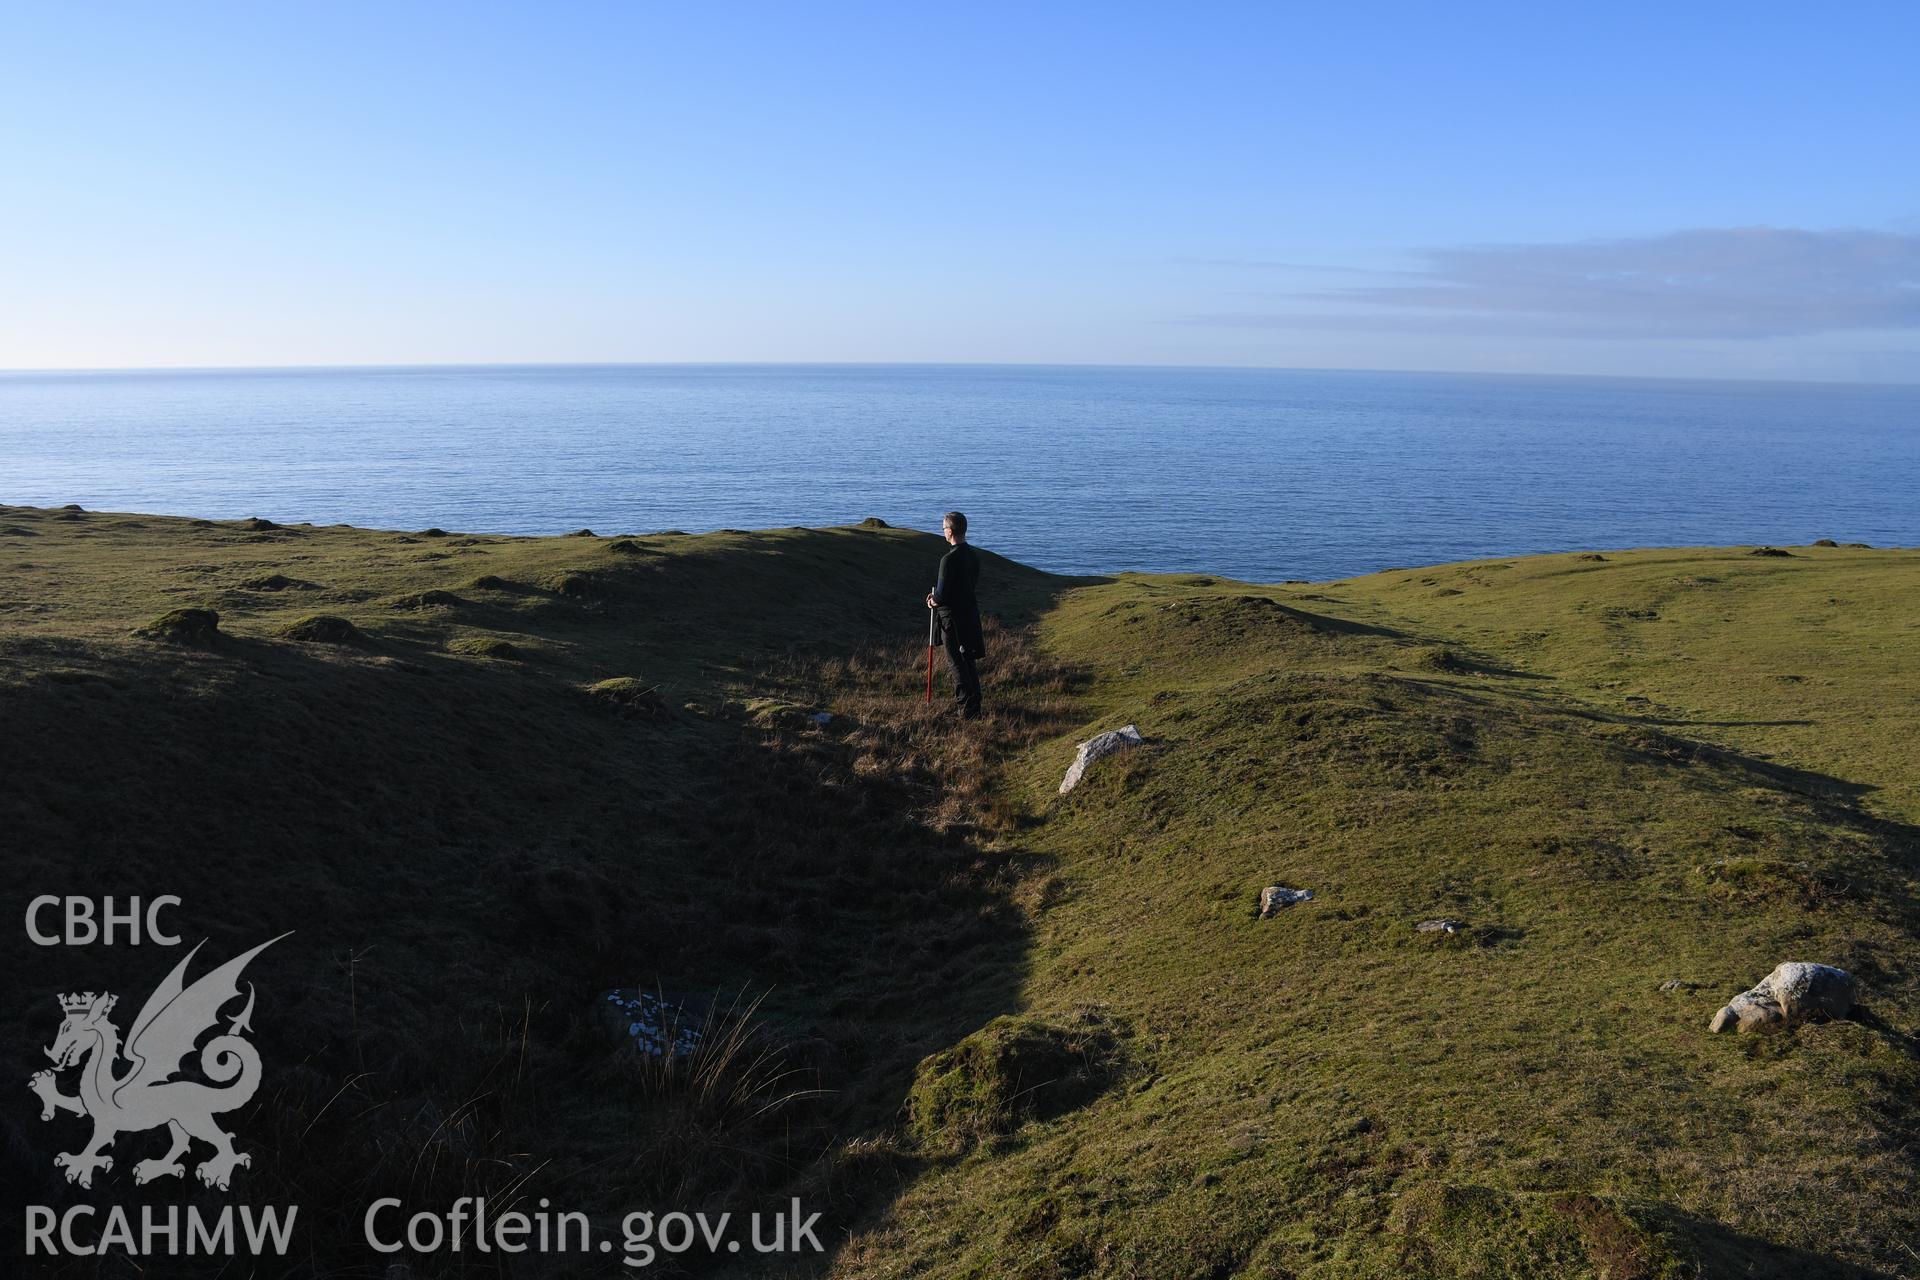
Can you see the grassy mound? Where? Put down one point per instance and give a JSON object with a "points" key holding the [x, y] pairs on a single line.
{"points": [[486, 647], [275, 582], [417, 600], [1438, 657], [184, 626], [1011, 1071], [577, 584], [630, 698], [323, 628]]}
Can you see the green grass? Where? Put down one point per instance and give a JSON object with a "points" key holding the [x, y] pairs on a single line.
{"points": [[1016, 1033]]}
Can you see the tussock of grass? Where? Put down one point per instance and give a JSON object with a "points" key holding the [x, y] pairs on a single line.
{"points": [[739, 1069]]}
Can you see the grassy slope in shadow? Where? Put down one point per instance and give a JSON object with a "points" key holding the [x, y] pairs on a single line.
{"points": [[471, 844]]}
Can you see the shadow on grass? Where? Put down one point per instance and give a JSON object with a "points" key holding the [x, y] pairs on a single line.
{"points": [[470, 853], [1722, 1253]]}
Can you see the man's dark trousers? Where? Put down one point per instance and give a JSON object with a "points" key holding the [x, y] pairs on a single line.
{"points": [[966, 676]]}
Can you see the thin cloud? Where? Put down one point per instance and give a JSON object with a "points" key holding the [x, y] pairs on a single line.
{"points": [[1749, 282]]}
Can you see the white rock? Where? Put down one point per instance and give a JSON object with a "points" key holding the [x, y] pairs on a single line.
{"points": [[656, 1025], [1276, 896], [1101, 744], [1791, 994]]}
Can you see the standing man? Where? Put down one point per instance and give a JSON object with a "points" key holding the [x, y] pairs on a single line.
{"points": [[957, 612]]}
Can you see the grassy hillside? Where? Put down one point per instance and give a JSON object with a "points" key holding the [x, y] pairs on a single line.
{"points": [[990, 1030]]}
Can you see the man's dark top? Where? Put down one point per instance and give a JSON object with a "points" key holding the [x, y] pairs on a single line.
{"points": [[954, 593]]}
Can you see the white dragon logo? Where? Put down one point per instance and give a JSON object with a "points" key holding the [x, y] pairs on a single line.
{"points": [[147, 1096]]}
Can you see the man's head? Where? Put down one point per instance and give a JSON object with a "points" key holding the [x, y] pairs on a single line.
{"points": [[954, 526]]}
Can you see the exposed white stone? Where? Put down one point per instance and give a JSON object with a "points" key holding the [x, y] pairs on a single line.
{"points": [[1790, 995], [1101, 744], [1275, 897]]}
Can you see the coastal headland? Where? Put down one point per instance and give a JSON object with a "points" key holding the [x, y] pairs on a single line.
{"points": [[981, 1027]]}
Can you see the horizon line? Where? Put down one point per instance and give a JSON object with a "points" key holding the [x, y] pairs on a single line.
{"points": [[428, 366]]}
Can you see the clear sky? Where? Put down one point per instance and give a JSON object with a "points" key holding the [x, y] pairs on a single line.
{"points": [[1720, 190]]}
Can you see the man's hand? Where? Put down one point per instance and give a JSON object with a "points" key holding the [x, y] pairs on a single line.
{"points": [[931, 602]]}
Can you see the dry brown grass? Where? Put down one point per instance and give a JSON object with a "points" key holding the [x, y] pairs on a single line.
{"points": [[877, 696]]}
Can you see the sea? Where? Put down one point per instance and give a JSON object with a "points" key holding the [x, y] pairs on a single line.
{"points": [[1263, 475]]}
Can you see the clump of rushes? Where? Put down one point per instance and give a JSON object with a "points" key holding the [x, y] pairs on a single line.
{"points": [[490, 582], [735, 1070]]}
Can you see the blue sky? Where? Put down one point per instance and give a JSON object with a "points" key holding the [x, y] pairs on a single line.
{"points": [[1695, 190]]}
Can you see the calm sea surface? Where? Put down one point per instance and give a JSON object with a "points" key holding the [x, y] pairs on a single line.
{"points": [[1261, 475]]}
